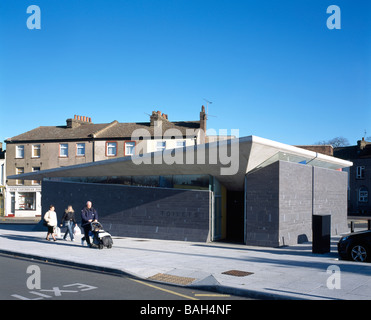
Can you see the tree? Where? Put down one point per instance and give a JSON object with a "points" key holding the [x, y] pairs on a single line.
{"points": [[335, 142]]}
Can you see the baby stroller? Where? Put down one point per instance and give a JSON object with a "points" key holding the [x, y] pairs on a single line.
{"points": [[100, 237]]}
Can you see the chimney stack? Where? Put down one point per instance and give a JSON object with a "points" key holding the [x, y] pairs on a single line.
{"points": [[203, 119], [158, 116], [77, 121]]}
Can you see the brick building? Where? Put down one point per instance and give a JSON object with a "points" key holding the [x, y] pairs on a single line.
{"points": [[359, 183], [81, 141]]}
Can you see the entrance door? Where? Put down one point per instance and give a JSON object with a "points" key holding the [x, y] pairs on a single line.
{"points": [[235, 216]]}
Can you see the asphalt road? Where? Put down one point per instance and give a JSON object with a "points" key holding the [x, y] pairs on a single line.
{"points": [[28, 279]]}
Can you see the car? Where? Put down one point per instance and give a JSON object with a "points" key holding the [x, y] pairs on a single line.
{"points": [[355, 246]]}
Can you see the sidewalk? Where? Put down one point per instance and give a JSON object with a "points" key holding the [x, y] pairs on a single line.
{"points": [[268, 273]]}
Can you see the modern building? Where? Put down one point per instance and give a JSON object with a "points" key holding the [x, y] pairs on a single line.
{"points": [[2, 180], [359, 185], [251, 190], [81, 141]]}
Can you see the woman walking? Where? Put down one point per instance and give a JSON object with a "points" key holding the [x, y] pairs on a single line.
{"points": [[69, 219], [51, 219]]}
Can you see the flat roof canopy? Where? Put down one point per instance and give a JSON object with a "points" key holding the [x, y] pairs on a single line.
{"points": [[228, 160]]}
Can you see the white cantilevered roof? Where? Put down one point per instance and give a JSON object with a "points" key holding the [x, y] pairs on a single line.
{"points": [[229, 161]]}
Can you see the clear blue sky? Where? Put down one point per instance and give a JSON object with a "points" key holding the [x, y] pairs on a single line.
{"points": [[271, 68]]}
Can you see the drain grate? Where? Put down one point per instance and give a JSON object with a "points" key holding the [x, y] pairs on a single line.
{"points": [[171, 279], [237, 273]]}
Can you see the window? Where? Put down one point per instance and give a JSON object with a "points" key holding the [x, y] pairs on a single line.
{"points": [[129, 148], [363, 194], [111, 149], [35, 169], [19, 152], [26, 201], [19, 171], [63, 150], [36, 151], [80, 149], [161, 145], [360, 172], [180, 144]]}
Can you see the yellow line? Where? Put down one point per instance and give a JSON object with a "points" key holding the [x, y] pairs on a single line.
{"points": [[211, 295], [162, 289]]}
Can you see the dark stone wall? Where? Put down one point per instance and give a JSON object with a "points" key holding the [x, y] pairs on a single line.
{"points": [[262, 206], [143, 212], [281, 198]]}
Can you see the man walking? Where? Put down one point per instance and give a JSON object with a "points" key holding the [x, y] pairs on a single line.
{"points": [[88, 215]]}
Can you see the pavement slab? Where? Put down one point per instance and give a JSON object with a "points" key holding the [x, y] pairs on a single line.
{"points": [[271, 273]]}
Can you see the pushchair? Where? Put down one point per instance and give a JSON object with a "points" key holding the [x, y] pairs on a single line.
{"points": [[100, 237]]}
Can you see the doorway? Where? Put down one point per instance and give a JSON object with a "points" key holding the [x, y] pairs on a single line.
{"points": [[235, 216]]}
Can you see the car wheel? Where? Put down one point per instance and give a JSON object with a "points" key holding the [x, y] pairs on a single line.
{"points": [[359, 253]]}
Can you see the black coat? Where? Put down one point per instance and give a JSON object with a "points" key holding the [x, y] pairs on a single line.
{"points": [[68, 216]]}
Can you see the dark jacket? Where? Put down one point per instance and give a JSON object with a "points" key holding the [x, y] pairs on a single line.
{"points": [[68, 215], [88, 214]]}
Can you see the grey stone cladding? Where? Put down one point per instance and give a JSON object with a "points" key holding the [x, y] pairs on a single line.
{"points": [[128, 211], [281, 198]]}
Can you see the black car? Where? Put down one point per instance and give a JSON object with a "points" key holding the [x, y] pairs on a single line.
{"points": [[356, 246]]}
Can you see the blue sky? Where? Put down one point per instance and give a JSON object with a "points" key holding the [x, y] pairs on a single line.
{"points": [[271, 68]]}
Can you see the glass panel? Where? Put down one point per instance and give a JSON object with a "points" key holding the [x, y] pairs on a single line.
{"points": [[129, 148], [111, 148], [80, 149], [63, 150], [20, 152], [36, 151], [26, 201]]}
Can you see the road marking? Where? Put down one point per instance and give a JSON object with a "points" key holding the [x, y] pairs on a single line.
{"points": [[162, 289], [211, 295]]}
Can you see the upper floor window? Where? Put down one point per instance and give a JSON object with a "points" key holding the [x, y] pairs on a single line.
{"points": [[80, 149], [63, 150], [111, 149], [129, 148], [363, 194], [19, 152], [360, 172], [161, 145], [180, 143], [35, 169], [19, 170], [36, 151]]}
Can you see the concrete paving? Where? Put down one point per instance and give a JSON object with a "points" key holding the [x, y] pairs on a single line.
{"points": [[268, 273]]}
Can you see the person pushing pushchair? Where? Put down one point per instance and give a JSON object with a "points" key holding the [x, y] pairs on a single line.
{"points": [[88, 215]]}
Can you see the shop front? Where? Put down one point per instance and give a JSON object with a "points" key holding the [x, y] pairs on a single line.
{"points": [[23, 201]]}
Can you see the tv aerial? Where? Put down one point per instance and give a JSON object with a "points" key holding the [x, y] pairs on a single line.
{"points": [[207, 108]]}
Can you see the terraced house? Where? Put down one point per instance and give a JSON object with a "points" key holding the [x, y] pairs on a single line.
{"points": [[82, 141]]}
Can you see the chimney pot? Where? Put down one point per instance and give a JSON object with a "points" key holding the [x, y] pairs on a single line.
{"points": [[75, 117]]}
